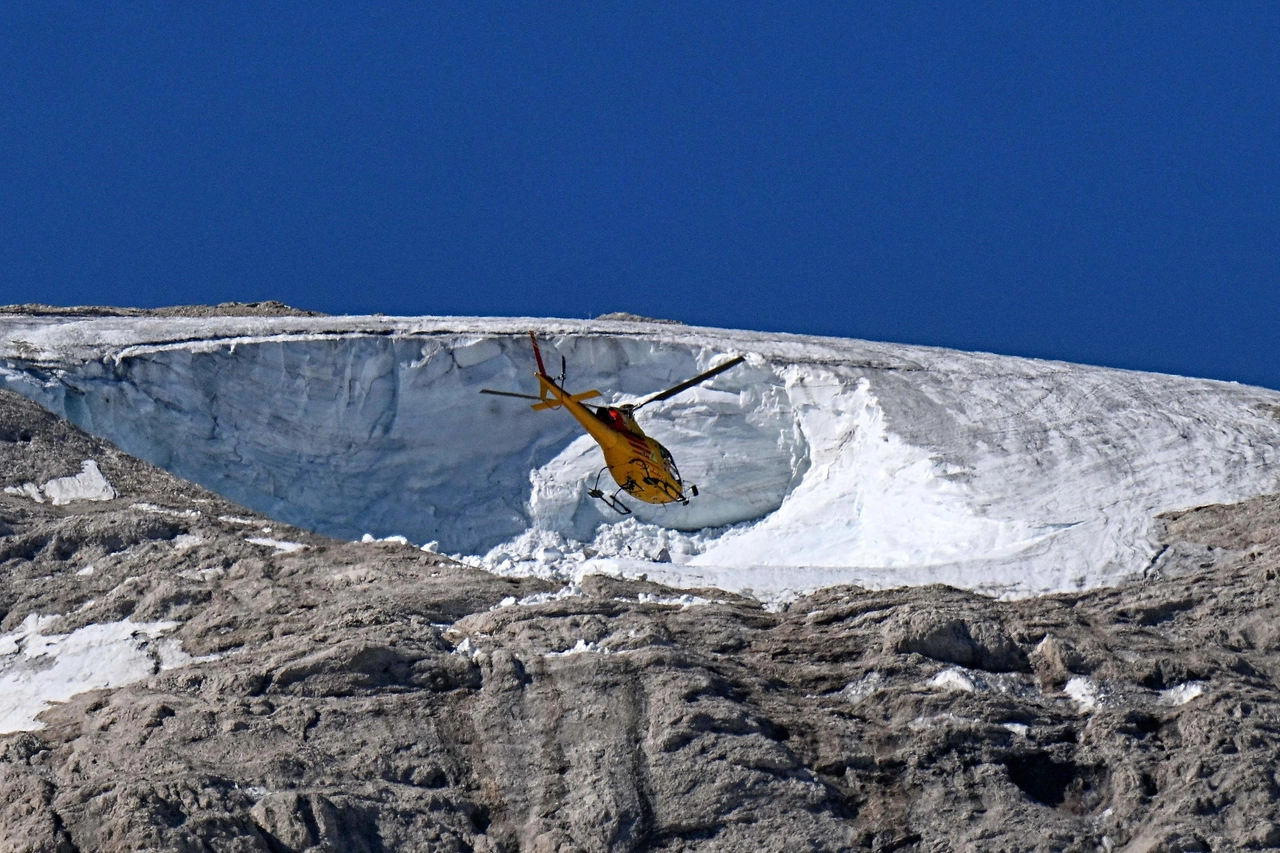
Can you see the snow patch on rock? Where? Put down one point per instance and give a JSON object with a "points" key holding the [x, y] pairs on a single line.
{"points": [[27, 490], [280, 546], [1084, 692], [88, 485], [581, 647], [864, 688], [1183, 693], [953, 679], [37, 669]]}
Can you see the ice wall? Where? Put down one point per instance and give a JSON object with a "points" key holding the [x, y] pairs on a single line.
{"points": [[819, 461], [377, 434]]}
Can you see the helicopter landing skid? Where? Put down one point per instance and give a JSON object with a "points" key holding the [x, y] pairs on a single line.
{"points": [[611, 501]]}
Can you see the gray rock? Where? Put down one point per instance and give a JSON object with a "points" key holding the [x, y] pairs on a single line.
{"points": [[373, 698], [1054, 661], [943, 636]]}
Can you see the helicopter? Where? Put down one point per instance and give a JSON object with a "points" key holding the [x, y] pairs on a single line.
{"points": [[641, 467]]}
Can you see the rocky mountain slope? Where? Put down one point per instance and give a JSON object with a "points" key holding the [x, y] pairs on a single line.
{"points": [[338, 696]]}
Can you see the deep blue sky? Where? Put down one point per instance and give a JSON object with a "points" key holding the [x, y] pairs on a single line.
{"points": [[1097, 182]]}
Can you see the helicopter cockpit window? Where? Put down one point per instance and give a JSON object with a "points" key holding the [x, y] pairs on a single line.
{"points": [[670, 462]]}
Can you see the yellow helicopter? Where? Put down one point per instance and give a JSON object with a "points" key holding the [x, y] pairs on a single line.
{"points": [[640, 466]]}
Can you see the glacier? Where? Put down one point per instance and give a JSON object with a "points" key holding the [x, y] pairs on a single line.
{"points": [[820, 461]]}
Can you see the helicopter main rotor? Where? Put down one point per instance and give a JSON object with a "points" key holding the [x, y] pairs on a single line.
{"points": [[654, 398], [683, 386]]}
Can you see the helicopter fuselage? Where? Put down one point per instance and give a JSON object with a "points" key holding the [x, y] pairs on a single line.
{"points": [[641, 466]]}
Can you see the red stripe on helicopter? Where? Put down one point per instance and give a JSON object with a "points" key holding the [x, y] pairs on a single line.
{"points": [[639, 446]]}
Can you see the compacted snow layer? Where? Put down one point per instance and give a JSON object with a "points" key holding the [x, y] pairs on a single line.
{"points": [[820, 461]]}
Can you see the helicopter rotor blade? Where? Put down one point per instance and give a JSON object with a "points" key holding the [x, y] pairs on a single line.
{"points": [[509, 394], [684, 386]]}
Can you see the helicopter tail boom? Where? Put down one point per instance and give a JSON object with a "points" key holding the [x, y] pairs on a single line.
{"points": [[537, 353]]}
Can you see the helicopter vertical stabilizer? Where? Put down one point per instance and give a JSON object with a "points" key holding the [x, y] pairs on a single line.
{"points": [[553, 395]]}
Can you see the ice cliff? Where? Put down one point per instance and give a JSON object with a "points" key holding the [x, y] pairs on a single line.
{"points": [[820, 461]]}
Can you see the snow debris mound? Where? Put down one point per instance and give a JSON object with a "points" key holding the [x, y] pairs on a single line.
{"points": [[1183, 693], [819, 461], [953, 679], [1085, 693], [88, 485]]}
